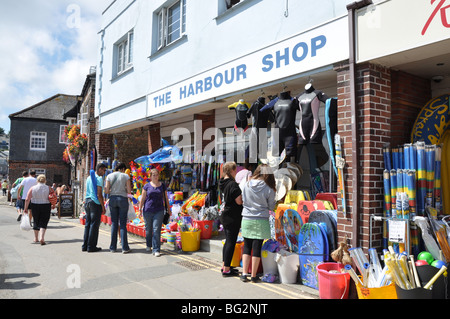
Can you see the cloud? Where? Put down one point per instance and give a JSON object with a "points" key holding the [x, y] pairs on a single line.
{"points": [[47, 48]]}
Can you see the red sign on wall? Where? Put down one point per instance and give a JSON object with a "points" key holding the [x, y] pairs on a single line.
{"points": [[443, 13]]}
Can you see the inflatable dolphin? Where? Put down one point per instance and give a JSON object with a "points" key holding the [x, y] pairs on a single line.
{"points": [[167, 153]]}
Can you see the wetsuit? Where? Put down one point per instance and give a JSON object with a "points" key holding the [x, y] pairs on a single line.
{"points": [[241, 109], [261, 119], [310, 128], [284, 111]]}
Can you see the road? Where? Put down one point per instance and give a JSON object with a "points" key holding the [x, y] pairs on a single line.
{"points": [[60, 270]]}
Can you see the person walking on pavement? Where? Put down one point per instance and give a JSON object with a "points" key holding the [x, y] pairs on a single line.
{"points": [[95, 208], [37, 200], [151, 207], [25, 186], [231, 217], [258, 196], [5, 187], [15, 193], [118, 186]]}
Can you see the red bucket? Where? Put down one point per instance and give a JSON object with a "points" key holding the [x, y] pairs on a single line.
{"points": [[332, 285], [206, 226]]}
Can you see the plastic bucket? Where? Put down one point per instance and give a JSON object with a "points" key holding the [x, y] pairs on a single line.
{"points": [[332, 285], [190, 241], [288, 266], [269, 263], [236, 260], [386, 292], [206, 226]]}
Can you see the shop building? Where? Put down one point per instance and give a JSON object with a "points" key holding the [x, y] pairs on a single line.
{"points": [[401, 62], [166, 65]]}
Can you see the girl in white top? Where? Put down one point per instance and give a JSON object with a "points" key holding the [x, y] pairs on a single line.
{"points": [[40, 208]]}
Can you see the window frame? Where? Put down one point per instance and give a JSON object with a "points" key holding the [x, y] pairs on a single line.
{"points": [[63, 139], [124, 53], [163, 17], [33, 136]]}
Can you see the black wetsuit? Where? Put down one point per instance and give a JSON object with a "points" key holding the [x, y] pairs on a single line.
{"points": [[284, 111], [310, 128], [241, 109]]}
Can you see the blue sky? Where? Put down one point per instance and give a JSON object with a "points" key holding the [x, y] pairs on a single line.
{"points": [[47, 48]]}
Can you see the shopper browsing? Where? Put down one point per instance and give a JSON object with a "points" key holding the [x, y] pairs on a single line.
{"points": [[231, 216], [151, 207], [118, 186], [258, 196], [95, 208]]}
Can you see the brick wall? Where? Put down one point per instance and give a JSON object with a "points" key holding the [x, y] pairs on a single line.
{"points": [[51, 169], [388, 103], [208, 121], [154, 138], [373, 112], [409, 95], [132, 144]]}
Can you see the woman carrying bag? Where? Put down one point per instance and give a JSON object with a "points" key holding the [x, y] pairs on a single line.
{"points": [[152, 206], [118, 185], [38, 200]]}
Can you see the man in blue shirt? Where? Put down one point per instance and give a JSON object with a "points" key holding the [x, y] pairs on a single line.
{"points": [[94, 207]]}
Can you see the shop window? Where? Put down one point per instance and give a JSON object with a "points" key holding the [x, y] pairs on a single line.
{"points": [[124, 53], [38, 141], [171, 23]]}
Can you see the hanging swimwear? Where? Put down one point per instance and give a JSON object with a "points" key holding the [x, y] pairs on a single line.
{"points": [[284, 111], [309, 104], [241, 109]]}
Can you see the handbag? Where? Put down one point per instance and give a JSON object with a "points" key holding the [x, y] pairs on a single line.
{"points": [[166, 218]]}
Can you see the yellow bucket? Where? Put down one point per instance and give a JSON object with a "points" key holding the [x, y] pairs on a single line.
{"points": [[237, 255], [190, 241], [386, 292]]}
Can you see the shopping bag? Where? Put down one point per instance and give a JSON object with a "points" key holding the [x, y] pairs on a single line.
{"points": [[25, 223], [131, 211], [107, 210]]}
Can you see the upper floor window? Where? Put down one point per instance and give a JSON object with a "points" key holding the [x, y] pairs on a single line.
{"points": [[171, 23], [38, 141], [231, 3], [62, 136], [124, 53]]}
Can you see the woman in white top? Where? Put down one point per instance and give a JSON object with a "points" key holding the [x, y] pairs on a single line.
{"points": [[118, 185], [40, 208]]}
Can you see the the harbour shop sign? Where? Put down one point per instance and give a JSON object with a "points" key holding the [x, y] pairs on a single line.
{"points": [[314, 49]]}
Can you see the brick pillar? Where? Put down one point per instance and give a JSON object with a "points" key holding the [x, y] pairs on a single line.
{"points": [[154, 138], [374, 128], [208, 121]]}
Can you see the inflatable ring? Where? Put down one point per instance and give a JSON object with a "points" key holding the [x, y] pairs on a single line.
{"points": [[432, 121]]}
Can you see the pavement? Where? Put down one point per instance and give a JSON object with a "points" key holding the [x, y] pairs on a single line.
{"points": [[210, 249]]}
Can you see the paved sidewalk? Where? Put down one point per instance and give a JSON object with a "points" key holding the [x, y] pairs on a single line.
{"points": [[210, 249]]}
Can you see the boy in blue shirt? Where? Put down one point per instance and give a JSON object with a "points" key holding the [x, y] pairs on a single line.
{"points": [[95, 208]]}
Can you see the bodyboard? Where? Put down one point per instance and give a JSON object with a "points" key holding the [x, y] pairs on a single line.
{"points": [[306, 207], [320, 216], [292, 223], [279, 229], [312, 252]]}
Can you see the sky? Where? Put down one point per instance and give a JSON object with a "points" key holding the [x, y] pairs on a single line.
{"points": [[46, 48]]}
